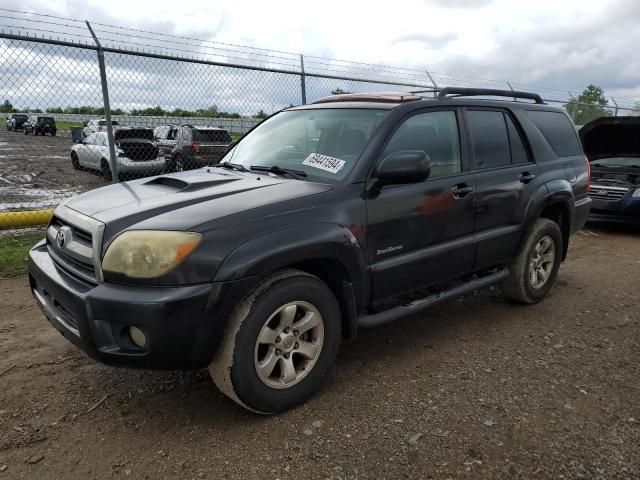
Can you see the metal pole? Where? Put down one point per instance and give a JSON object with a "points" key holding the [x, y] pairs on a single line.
{"points": [[107, 109], [435, 85], [303, 83], [574, 107], [615, 114]]}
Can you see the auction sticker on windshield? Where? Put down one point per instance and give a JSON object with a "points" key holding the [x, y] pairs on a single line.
{"points": [[324, 162]]}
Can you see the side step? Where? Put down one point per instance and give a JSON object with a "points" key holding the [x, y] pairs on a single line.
{"points": [[386, 316]]}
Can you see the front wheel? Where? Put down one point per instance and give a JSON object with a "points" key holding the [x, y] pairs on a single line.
{"points": [[533, 272], [75, 162], [281, 342]]}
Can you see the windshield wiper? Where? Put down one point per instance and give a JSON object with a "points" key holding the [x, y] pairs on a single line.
{"points": [[297, 174], [232, 166]]}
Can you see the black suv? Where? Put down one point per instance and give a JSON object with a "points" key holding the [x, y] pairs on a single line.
{"points": [[39, 125], [187, 147], [351, 212], [15, 121]]}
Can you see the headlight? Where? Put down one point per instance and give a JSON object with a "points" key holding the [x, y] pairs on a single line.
{"points": [[636, 194], [148, 253]]}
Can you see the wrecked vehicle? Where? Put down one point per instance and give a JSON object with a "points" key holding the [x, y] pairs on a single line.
{"points": [[348, 213], [612, 145]]}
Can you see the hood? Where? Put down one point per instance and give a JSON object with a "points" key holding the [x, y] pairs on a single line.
{"points": [[184, 200], [608, 137]]}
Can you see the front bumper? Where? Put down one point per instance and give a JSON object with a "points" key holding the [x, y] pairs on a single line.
{"points": [[626, 209], [183, 325]]}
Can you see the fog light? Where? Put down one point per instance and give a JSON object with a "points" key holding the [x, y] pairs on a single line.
{"points": [[137, 337]]}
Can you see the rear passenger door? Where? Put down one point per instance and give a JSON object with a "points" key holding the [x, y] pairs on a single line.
{"points": [[506, 177]]}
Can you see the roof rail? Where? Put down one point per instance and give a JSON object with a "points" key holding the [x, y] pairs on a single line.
{"points": [[487, 92]]}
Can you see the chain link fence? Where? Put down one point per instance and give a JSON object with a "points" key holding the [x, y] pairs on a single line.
{"points": [[88, 104]]}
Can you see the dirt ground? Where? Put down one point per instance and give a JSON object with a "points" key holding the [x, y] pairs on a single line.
{"points": [[478, 388], [36, 171]]}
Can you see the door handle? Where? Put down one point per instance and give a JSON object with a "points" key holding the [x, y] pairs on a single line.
{"points": [[526, 177], [461, 190]]}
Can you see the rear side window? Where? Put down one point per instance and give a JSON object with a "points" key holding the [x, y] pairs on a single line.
{"points": [[489, 138], [211, 136], [558, 130], [518, 150]]}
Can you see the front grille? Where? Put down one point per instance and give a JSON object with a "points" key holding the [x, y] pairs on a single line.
{"points": [[602, 192], [74, 253]]}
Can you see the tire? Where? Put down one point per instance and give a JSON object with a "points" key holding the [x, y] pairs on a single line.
{"points": [[26, 132], [532, 275], [263, 314], [53, 133], [106, 170], [74, 161], [177, 165]]}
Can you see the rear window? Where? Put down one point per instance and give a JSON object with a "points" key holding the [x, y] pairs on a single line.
{"points": [[20, 117], [558, 130], [211, 136], [45, 119], [144, 133], [102, 123]]}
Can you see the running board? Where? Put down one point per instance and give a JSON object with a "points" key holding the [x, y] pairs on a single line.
{"points": [[386, 316]]}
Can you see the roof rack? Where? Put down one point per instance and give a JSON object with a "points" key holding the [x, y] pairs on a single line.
{"points": [[370, 97], [487, 92]]}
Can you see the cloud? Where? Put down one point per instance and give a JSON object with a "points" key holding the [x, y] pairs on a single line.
{"points": [[460, 3], [428, 40]]}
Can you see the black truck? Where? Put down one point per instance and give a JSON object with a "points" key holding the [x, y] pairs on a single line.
{"points": [[347, 213]]}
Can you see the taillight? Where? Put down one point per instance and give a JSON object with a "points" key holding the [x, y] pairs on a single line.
{"points": [[586, 159], [194, 146]]}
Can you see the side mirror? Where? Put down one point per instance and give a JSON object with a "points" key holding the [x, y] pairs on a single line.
{"points": [[403, 167]]}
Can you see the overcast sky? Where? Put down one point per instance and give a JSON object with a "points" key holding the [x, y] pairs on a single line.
{"points": [[564, 44]]}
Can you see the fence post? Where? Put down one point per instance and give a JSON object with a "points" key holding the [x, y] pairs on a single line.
{"points": [[435, 85], [107, 108], [615, 113], [303, 83], [515, 99], [574, 107]]}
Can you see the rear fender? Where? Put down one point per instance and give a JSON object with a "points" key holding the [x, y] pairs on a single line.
{"points": [[555, 192]]}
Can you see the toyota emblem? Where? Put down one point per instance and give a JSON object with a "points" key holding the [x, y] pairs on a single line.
{"points": [[60, 239]]}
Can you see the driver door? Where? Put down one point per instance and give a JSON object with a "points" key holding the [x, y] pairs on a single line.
{"points": [[422, 233]]}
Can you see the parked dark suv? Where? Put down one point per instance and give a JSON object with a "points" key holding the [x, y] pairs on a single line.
{"points": [[39, 125], [15, 121], [187, 147], [351, 212]]}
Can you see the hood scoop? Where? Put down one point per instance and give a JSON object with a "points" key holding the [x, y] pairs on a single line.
{"points": [[183, 185]]}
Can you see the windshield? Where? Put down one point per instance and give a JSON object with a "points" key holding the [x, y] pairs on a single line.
{"points": [[632, 162], [102, 123], [323, 143]]}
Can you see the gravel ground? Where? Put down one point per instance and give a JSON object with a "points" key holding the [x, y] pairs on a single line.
{"points": [[476, 388]]}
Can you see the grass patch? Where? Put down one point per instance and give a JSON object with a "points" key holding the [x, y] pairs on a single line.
{"points": [[13, 252], [62, 125]]}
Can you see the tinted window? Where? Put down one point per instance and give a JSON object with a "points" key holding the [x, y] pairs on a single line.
{"points": [[558, 131], [489, 137], [102, 123], [435, 133], [518, 150], [211, 136]]}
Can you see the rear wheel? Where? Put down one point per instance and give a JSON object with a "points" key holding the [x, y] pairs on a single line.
{"points": [[106, 170], [533, 272], [280, 344], [26, 132], [53, 133]]}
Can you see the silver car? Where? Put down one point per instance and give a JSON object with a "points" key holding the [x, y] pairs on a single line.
{"points": [[136, 153]]}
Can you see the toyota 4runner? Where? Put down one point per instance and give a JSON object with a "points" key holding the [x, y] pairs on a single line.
{"points": [[350, 212]]}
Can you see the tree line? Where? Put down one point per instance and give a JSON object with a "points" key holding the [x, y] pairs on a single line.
{"points": [[209, 112]]}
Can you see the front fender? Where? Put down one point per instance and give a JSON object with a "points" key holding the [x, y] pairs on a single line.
{"points": [[275, 250]]}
